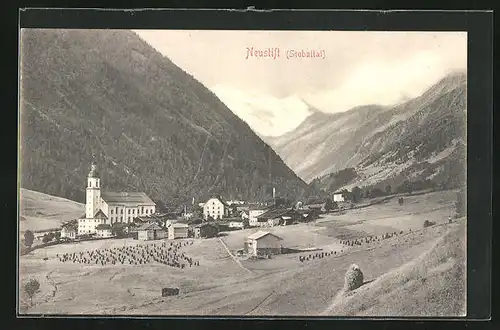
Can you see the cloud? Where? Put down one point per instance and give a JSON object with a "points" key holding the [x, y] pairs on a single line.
{"points": [[361, 67], [265, 114]]}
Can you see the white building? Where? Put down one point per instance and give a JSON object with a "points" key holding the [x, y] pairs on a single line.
{"points": [[69, 231], [111, 207], [215, 208], [338, 197], [254, 213], [262, 242], [178, 230], [236, 224], [103, 231]]}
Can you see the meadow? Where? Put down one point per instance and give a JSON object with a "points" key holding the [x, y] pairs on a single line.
{"points": [[279, 286]]}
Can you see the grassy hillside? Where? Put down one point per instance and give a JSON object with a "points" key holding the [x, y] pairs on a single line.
{"points": [[152, 126], [39, 211], [432, 284], [278, 286]]}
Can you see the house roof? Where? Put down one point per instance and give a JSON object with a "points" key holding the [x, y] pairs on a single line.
{"points": [[150, 226], [219, 198], [127, 198], [100, 215], [70, 227], [205, 224], [318, 206], [102, 226], [179, 225], [274, 213], [260, 234]]}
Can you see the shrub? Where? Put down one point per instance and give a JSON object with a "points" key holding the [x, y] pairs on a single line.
{"points": [[31, 288], [28, 238], [428, 223], [353, 278]]}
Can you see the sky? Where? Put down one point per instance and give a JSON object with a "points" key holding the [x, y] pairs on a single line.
{"points": [[351, 68]]}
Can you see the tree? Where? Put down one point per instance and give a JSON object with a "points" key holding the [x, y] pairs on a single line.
{"points": [[57, 236], [356, 194], [376, 192], [31, 288], [400, 200], [329, 205], [29, 237], [388, 189], [48, 237]]}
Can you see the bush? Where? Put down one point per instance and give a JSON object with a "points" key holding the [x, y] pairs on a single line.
{"points": [[31, 288], [353, 278], [28, 238], [428, 223]]}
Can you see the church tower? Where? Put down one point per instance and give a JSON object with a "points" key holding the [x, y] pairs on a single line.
{"points": [[93, 203]]}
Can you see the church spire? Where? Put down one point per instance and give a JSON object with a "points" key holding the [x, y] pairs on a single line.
{"points": [[93, 168]]}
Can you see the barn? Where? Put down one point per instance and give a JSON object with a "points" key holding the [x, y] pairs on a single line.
{"points": [[177, 230], [150, 231], [262, 243], [206, 230]]}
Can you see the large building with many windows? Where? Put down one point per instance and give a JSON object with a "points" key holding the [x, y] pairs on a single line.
{"points": [[110, 207], [215, 208]]}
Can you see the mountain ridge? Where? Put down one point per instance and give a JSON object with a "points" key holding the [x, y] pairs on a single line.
{"points": [[153, 127], [335, 142]]}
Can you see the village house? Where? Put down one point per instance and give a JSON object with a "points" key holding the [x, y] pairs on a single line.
{"points": [[254, 213], [338, 197], [215, 208], [69, 230], [110, 207], [178, 230], [236, 224], [205, 230], [244, 214], [262, 243], [281, 216], [103, 231], [150, 231], [318, 207]]}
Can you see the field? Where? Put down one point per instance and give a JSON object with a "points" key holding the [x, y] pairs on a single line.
{"points": [[40, 211], [421, 260]]}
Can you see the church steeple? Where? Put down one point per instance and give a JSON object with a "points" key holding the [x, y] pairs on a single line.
{"points": [[93, 203], [93, 168]]}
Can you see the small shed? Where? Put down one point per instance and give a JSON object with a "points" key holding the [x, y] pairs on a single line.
{"points": [[263, 242], [103, 230], [178, 230], [206, 230], [150, 231], [338, 196]]}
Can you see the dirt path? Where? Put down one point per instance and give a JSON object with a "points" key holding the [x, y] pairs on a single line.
{"points": [[233, 257]]}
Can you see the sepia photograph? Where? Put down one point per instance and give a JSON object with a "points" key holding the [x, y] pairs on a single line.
{"points": [[248, 173]]}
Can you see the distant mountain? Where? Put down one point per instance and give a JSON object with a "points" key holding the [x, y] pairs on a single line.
{"points": [[420, 139], [267, 115], [153, 127]]}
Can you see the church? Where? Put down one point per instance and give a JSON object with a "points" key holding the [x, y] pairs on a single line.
{"points": [[110, 207]]}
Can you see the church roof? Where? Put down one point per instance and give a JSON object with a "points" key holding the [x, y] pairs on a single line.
{"points": [[127, 198], [100, 215]]}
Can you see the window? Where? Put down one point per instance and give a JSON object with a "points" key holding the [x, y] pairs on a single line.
{"points": [[121, 211], [128, 211], [142, 212], [111, 211], [116, 209]]}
